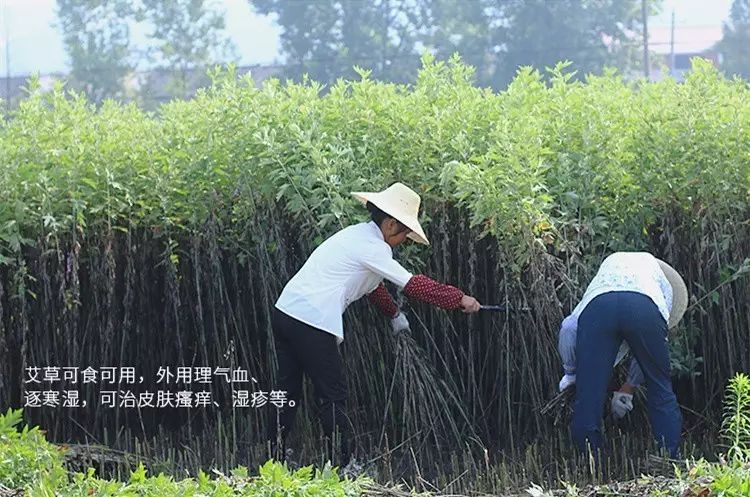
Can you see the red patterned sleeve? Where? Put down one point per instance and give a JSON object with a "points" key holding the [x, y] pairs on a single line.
{"points": [[422, 288], [383, 301]]}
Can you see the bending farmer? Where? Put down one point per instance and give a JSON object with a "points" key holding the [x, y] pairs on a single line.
{"points": [[631, 302], [622, 400], [307, 322]]}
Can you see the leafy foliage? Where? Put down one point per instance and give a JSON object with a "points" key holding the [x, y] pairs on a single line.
{"points": [[731, 476], [30, 462], [736, 423], [25, 455]]}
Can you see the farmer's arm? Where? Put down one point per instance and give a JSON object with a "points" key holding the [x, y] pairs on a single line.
{"points": [[566, 344], [421, 287], [418, 287], [381, 299], [635, 378]]}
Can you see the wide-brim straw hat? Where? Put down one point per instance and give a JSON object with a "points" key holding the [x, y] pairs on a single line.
{"points": [[400, 202], [679, 293]]}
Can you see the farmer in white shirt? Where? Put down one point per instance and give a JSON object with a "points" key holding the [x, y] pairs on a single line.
{"points": [[631, 302], [307, 322]]}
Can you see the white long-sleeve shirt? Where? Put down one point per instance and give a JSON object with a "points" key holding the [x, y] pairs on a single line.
{"points": [[348, 265], [623, 272]]}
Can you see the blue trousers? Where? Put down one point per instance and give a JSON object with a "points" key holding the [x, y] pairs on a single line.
{"points": [[606, 321]]}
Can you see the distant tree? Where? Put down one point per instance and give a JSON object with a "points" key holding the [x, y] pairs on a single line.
{"points": [[187, 36], [325, 38], [96, 36], [590, 33], [465, 28], [735, 45]]}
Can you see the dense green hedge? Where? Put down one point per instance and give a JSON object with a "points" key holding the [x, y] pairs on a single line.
{"points": [[524, 162]]}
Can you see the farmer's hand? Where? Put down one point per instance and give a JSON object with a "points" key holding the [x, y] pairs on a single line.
{"points": [[399, 323], [469, 304], [622, 404], [567, 381]]}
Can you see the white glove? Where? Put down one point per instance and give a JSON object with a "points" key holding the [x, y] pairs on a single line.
{"points": [[399, 323], [622, 404], [566, 381]]}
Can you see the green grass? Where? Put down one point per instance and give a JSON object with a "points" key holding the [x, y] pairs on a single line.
{"points": [[29, 462], [25, 455]]}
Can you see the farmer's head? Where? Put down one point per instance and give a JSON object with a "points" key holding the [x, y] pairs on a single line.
{"points": [[394, 232], [396, 212]]}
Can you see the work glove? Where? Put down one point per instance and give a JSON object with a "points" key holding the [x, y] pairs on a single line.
{"points": [[567, 381], [399, 324], [622, 404]]}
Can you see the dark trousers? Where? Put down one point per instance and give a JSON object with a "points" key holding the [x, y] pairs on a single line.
{"points": [[301, 348], [604, 323]]}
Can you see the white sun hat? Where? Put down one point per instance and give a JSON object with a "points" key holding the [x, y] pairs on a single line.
{"points": [[400, 202], [679, 293]]}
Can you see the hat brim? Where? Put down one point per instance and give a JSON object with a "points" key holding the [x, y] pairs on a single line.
{"points": [[679, 293], [416, 232]]}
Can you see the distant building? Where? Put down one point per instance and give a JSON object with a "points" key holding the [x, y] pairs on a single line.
{"points": [[689, 42], [155, 84], [12, 89]]}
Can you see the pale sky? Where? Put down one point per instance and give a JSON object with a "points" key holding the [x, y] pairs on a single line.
{"points": [[36, 44]]}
